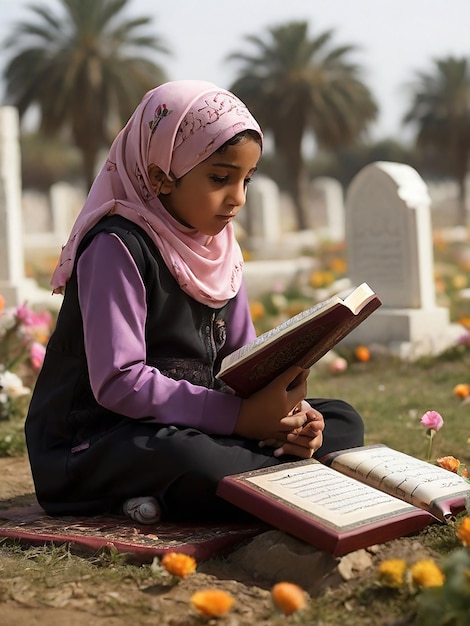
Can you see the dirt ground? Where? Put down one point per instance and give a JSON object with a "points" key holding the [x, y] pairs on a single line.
{"points": [[95, 597]]}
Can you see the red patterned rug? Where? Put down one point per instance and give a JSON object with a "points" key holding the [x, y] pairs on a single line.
{"points": [[27, 522]]}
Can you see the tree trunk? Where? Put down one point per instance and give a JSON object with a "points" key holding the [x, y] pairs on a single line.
{"points": [[294, 192], [462, 202], [88, 168]]}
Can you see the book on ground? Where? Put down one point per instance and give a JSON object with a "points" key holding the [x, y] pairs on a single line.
{"points": [[300, 340], [351, 499]]}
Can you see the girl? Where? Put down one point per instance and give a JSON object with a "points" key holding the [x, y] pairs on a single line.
{"points": [[126, 413]]}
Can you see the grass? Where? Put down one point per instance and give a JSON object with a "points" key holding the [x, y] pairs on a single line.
{"points": [[392, 395]]}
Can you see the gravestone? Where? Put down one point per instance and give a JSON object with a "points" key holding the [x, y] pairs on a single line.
{"points": [[389, 246], [66, 203], [48, 221], [11, 227], [325, 208], [268, 220], [14, 286], [261, 217]]}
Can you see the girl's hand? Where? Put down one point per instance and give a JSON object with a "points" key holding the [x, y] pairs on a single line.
{"points": [[268, 413], [302, 442]]}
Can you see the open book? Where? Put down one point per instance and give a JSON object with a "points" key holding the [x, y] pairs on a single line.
{"points": [[300, 340], [352, 499]]}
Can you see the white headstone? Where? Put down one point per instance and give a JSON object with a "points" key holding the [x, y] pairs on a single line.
{"points": [[263, 211], [389, 246], [261, 217], [326, 208], [11, 226], [66, 202], [14, 286]]}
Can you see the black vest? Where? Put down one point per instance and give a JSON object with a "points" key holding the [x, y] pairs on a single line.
{"points": [[183, 338]]}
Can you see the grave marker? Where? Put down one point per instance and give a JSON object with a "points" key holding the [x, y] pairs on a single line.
{"points": [[389, 245]]}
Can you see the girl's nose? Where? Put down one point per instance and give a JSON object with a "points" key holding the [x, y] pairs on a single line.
{"points": [[237, 194]]}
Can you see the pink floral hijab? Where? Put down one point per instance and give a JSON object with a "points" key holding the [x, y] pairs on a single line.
{"points": [[176, 126]]}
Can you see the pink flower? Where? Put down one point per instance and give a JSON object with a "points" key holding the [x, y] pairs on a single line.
{"points": [[37, 353], [464, 340], [432, 420], [338, 365], [24, 315]]}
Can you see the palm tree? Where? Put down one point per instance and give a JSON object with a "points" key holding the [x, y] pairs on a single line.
{"points": [[83, 69], [294, 84], [441, 109]]}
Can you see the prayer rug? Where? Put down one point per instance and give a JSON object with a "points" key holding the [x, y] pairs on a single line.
{"points": [[28, 523]]}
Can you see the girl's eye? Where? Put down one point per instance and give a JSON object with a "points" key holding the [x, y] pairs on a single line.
{"points": [[220, 180], [248, 181]]}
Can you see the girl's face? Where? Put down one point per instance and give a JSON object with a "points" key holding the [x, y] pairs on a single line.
{"points": [[210, 195]]}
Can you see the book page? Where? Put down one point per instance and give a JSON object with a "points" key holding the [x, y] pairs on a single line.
{"points": [[329, 497], [401, 475], [271, 335], [359, 298]]}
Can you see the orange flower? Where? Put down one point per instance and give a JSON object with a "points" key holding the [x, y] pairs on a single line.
{"points": [[2, 303], [338, 265], [449, 463], [362, 354], [465, 322], [426, 573], [321, 278], [257, 311], [212, 602], [288, 597], [462, 390], [178, 564], [463, 531]]}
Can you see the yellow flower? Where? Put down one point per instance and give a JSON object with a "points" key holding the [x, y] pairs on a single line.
{"points": [[288, 597], [212, 602], [178, 564], [463, 531], [426, 573], [459, 281], [321, 278], [392, 572]]}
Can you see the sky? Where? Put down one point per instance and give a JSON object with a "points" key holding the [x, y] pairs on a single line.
{"points": [[394, 39]]}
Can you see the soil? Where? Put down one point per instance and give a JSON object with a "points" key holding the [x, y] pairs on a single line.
{"points": [[85, 598]]}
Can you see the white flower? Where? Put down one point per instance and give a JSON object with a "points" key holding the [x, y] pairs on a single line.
{"points": [[12, 385], [7, 320]]}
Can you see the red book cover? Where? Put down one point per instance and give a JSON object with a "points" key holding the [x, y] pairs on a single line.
{"points": [[302, 340], [339, 519]]}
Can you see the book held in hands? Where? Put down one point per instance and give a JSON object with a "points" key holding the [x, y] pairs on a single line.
{"points": [[301, 340], [351, 499]]}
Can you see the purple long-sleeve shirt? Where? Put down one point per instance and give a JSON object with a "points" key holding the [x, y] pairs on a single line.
{"points": [[113, 305]]}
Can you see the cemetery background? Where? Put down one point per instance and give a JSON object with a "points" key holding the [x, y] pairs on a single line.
{"points": [[399, 380]]}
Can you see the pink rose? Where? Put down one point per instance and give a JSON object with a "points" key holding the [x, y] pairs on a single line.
{"points": [[24, 315], [432, 420], [37, 353]]}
